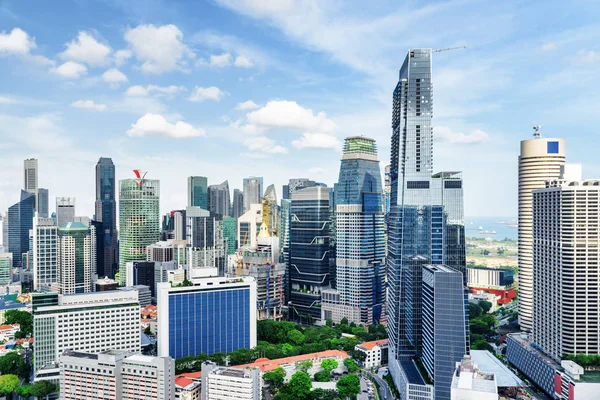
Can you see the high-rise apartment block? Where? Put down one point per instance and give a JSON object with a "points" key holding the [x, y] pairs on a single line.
{"points": [[426, 218], [45, 253], [206, 245], [42, 202], [91, 323], [222, 383], [20, 222], [213, 315], [76, 262], [139, 219], [116, 374], [360, 242], [30, 176], [197, 192], [444, 332], [106, 213], [540, 160], [309, 251], [218, 199], [253, 188], [65, 210]]}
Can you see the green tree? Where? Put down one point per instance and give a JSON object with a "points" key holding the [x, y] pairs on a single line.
{"points": [[147, 331], [479, 327], [299, 386], [14, 363], [218, 358], [344, 321], [475, 311], [486, 306], [485, 252], [24, 391], [275, 378], [296, 337], [322, 394], [348, 386], [287, 348], [304, 366], [241, 356], [329, 322], [351, 365], [500, 251], [329, 364], [42, 388], [481, 345], [23, 318], [323, 376], [8, 384]]}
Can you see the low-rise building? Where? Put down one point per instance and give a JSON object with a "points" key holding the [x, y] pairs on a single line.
{"points": [[469, 383], [6, 305], [144, 293], [188, 386], [223, 383], [376, 353], [7, 332]]}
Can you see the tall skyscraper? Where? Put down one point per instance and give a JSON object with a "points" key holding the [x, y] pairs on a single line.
{"points": [[296, 184], [218, 199], [360, 242], [5, 268], [309, 251], [213, 315], [540, 160], [229, 233], [20, 222], [4, 231], [238, 203], [566, 250], [76, 258], [197, 192], [30, 174], [45, 253], [444, 332], [426, 222], [206, 245], [139, 219], [42, 202], [65, 210], [252, 191], [106, 213]]}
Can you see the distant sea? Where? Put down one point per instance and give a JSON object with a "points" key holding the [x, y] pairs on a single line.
{"points": [[472, 225]]}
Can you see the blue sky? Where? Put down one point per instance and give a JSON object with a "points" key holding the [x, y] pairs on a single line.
{"points": [[233, 88]]}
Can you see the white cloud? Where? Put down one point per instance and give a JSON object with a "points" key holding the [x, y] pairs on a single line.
{"points": [[243, 62], [209, 93], [247, 105], [220, 61], [89, 104], [445, 134], [121, 56], [141, 91], [8, 100], [317, 141], [316, 171], [16, 42], [70, 70], [263, 144], [288, 114], [587, 57], [157, 125], [137, 91], [549, 46], [160, 49], [114, 77], [86, 49]]}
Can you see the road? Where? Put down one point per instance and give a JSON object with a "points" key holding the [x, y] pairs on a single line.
{"points": [[384, 389]]}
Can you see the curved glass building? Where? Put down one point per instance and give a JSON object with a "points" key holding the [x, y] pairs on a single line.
{"points": [[139, 220]]}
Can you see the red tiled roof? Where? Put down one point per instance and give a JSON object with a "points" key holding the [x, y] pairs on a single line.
{"points": [[191, 375], [371, 345], [8, 327], [269, 365]]}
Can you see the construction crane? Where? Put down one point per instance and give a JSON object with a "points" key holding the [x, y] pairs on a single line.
{"points": [[449, 48]]}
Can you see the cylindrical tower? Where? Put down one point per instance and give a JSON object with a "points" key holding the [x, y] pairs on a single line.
{"points": [[540, 160]]}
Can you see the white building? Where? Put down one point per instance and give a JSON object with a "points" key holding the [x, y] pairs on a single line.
{"points": [[91, 323], [469, 383], [188, 388], [375, 352], [115, 375], [45, 253], [144, 294], [540, 160], [566, 252], [65, 210], [30, 178], [7, 332], [76, 258], [222, 383], [248, 225]]}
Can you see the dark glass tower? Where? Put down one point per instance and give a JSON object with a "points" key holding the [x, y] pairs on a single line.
{"points": [[426, 222], [238, 203], [20, 221], [198, 192], [106, 213], [309, 252], [218, 199]]}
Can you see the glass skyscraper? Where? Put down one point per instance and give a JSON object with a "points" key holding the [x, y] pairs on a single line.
{"points": [[139, 220], [42, 202], [229, 232], [360, 242], [198, 192], [425, 222], [20, 221], [106, 213], [253, 188], [218, 199], [309, 251], [76, 258]]}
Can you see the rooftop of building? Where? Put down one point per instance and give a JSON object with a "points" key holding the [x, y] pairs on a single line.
{"points": [[9, 327], [77, 354], [186, 383], [489, 363], [9, 304], [411, 372], [372, 344], [440, 268], [233, 372], [74, 226], [528, 345], [267, 365]]}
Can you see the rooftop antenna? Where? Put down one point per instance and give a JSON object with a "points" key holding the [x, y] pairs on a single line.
{"points": [[536, 131], [449, 48]]}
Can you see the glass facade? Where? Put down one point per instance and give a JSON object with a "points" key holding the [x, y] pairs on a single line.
{"points": [[5, 270], [209, 321], [218, 199], [20, 221], [106, 213], [76, 258], [360, 241], [425, 222], [253, 188], [198, 192], [229, 232], [309, 251], [238, 203], [139, 220]]}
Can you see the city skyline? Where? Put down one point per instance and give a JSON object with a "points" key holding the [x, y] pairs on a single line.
{"points": [[345, 86]]}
